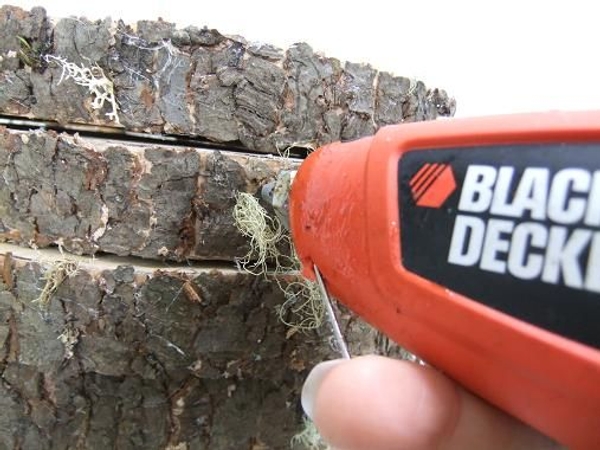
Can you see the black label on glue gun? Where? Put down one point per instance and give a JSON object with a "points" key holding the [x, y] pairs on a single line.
{"points": [[516, 228]]}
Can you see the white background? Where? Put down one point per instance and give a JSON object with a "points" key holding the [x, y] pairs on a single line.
{"points": [[494, 57]]}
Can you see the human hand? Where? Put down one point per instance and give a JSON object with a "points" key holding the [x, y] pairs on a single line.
{"points": [[377, 403]]}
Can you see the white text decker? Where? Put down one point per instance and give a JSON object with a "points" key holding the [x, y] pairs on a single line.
{"points": [[556, 240]]}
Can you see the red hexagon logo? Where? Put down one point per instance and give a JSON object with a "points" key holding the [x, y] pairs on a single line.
{"points": [[432, 185]]}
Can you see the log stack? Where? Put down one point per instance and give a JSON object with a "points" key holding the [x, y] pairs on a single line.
{"points": [[125, 321]]}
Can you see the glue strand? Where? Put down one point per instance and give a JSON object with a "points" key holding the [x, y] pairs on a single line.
{"points": [[337, 334]]}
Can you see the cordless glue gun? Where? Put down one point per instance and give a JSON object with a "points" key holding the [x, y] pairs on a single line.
{"points": [[474, 243]]}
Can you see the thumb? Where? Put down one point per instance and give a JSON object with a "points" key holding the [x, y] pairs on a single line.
{"points": [[378, 403]]}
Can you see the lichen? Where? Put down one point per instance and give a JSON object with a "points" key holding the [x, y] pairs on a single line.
{"points": [[302, 309], [309, 438], [94, 79], [53, 277]]}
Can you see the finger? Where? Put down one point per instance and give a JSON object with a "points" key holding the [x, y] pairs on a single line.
{"points": [[379, 404]]}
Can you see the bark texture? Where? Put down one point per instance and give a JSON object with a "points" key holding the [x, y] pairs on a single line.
{"points": [[128, 357], [120, 351], [151, 201], [200, 83]]}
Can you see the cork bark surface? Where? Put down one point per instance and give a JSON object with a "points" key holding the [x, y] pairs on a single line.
{"points": [[197, 82], [131, 356], [146, 200], [124, 320]]}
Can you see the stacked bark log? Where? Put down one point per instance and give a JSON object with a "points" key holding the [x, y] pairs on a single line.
{"points": [[125, 322]]}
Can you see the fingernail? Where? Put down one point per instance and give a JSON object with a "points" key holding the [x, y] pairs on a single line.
{"points": [[312, 384]]}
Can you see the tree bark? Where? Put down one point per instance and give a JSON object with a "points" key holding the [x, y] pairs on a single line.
{"points": [[124, 322], [199, 83], [123, 354], [152, 201]]}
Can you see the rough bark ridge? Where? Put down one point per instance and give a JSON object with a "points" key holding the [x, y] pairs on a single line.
{"points": [[131, 358], [200, 83], [151, 201]]}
